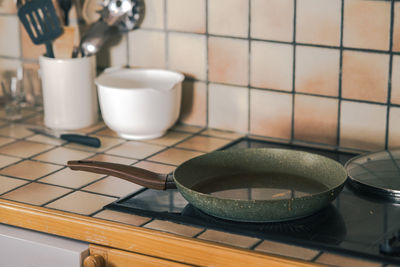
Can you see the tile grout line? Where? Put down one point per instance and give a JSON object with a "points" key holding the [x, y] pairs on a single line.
{"points": [[379, 51], [256, 244], [293, 91], [166, 32], [249, 43], [389, 84], [207, 65], [340, 99]]}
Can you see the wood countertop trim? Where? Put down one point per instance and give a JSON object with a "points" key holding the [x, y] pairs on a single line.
{"points": [[146, 241]]}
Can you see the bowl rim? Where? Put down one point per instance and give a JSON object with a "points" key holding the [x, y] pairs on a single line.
{"points": [[112, 70]]}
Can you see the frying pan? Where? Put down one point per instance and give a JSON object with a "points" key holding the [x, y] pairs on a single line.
{"points": [[279, 184]]}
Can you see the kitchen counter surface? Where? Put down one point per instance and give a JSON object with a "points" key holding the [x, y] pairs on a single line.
{"points": [[37, 191]]}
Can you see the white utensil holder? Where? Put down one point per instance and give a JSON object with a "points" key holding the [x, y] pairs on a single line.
{"points": [[69, 93]]}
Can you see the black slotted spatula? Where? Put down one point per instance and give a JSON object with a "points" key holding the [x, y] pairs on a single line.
{"points": [[40, 20]]}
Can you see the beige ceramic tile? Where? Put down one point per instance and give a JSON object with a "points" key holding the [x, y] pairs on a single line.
{"points": [[175, 156], [337, 260], [287, 250], [92, 128], [170, 139], [270, 114], [267, 21], [106, 143], [136, 150], [24, 149], [154, 17], [30, 170], [15, 131], [155, 167], [228, 60], [315, 119], [7, 184], [175, 228], [113, 159], [396, 27], [394, 127], [113, 186], [114, 52], [395, 93], [318, 21], [6, 140], [187, 53], [147, 49], [204, 143], [70, 178], [10, 46], [194, 103], [36, 194], [222, 134], [62, 155], [74, 203], [362, 126], [228, 238], [107, 132], [30, 50], [362, 32], [365, 76], [228, 107], [187, 128], [320, 75], [122, 217], [7, 160], [271, 65], [186, 15], [8, 7], [228, 17]]}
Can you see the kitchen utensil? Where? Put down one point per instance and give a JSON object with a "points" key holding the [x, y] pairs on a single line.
{"points": [[69, 92], [91, 10], [139, 103], [95, 37], [65, 5], [63, 46], [122, 15], [41, 23], [376, 173], [252, 185], [74, 138], [125, 14]]}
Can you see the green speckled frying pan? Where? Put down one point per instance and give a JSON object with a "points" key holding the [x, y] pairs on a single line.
{"points": [[250, 185]]}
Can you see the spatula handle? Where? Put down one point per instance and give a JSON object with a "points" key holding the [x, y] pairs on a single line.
{"points": [[49, 50], [82, 139]]}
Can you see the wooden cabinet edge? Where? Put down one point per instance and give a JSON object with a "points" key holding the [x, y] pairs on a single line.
{"points": [[147, 241]]}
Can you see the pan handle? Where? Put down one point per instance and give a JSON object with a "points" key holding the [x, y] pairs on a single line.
{"points": [[130, 173]]}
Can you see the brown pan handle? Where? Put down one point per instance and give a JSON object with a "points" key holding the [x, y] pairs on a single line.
{"points": [[132, 174]]}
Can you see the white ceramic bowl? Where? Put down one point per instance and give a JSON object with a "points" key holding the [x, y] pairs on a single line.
{"points": [[139, 103]]}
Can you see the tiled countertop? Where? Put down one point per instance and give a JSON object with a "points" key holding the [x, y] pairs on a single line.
{"points": [[33, 171]]}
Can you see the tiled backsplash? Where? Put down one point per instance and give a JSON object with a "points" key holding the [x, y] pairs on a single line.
{"points": [[323, 71]]}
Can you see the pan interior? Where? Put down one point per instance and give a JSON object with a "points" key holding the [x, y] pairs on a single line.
{"points": [[260, 174], [259, 186]]}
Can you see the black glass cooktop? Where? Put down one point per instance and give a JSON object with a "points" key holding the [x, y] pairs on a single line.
{"points": [[355, 224]]}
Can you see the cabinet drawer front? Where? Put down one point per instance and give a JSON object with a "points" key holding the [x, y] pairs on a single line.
{"points": [[21, 247]]}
